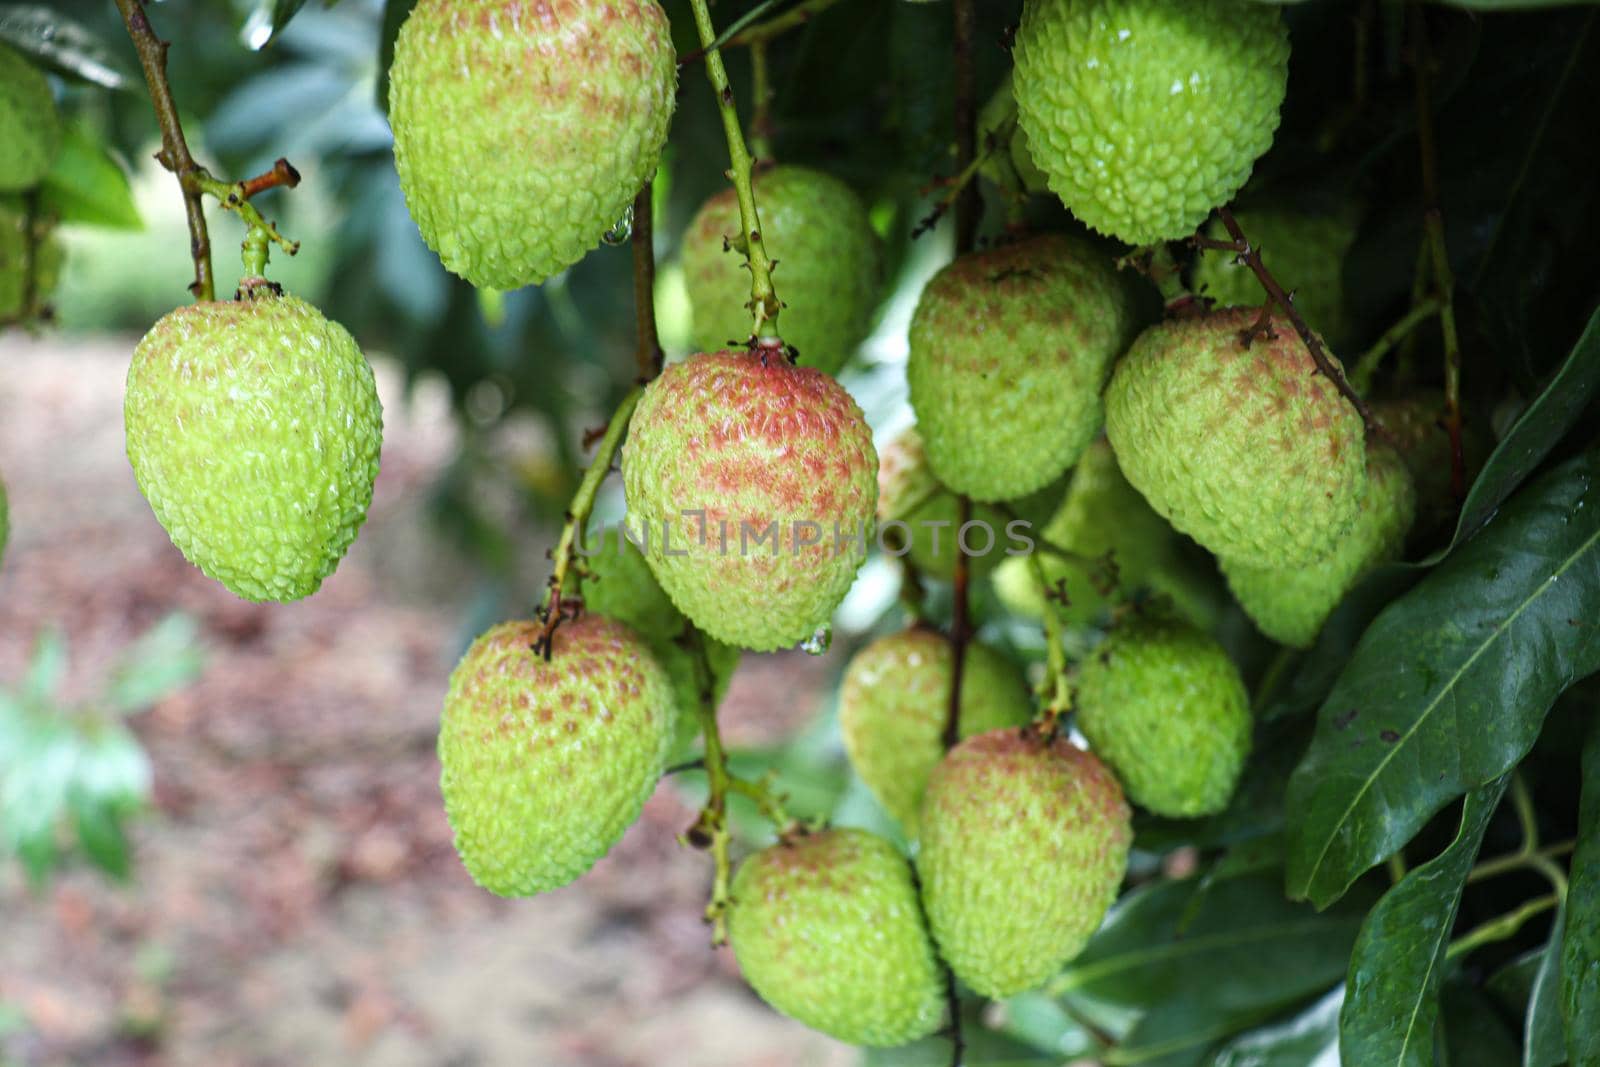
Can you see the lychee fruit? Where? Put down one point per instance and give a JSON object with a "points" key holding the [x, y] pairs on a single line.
{"points": [[751, 485], [25, 284], [545, 764], [1146, 114], [1416, 423], [892, 709], [522, 132], [1290, 604], [1102, 518], [253, 427], [919, 516], [1162, 703], [1024, 843], [1247, 448], [30, 129], [1009, 350], [1303, 250], [619, 585], [827, 928], [828, 266]]}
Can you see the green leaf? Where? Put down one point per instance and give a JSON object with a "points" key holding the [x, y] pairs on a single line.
{"points": [[46, 667], [1580, 948], [268, 20], [165, 659], [1544, 1037], [86, 184], [1392, 1001], [1309, 1039], [1448, 687], [1041, 1022], [394, 15], [100, 834], [985, 1048], [1474, 1034], [63, 45]]}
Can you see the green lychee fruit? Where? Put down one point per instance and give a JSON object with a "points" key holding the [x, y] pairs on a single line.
{"points": [[30, 129], [618, 584], [523, 132], [545, 764], [751, 485], [829, 268], [1024, 843], [1416, 423], [1246, 448], [918, 513], [1305, 253], [1290, 604], [1102, 515], [892, 709], [1146, 114], [1008, 164], [1162, 703], [253, 427], [827, 928], [18, 299], [1009, 350]]}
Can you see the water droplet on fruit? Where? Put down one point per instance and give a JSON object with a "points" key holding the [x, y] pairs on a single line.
{"points": [[818, 643], [619, 233]]}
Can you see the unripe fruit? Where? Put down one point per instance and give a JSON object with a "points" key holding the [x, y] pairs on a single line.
{"points": [[1248, 449], [1008, 165], [751, 484], [18, 299], [30, 130], [1416, 423], [1290, 604], [618, 584], [892, 709], [1100, 515], [544, 765], [253, 428], [1024, 843], [827, 928], [1304, 252], [909, 494], [829, 268], [1162, 703], [1009, 350], [522, 132], [1146, 114]]}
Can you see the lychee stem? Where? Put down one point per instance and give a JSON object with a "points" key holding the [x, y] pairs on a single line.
{"points": [[1367, 365], [969, 205], [1056, 689], [960, 629], [647, 354], [764, 303]]}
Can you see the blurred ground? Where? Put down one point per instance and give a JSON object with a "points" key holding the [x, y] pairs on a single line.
{"points": [[296, 899]]}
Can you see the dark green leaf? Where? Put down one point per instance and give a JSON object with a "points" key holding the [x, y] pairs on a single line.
{"points": [[268, 20], [86, 184], [1399, 960], [1580, 952], [100, 834], [394, 15], [1544, 1038], [63, 45], [1473, 1031], [1309, 1039], [1449, 686], [985, 1048], [1041, 1022]]}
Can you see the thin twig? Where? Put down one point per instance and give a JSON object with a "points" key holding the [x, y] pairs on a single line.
{"points": [[959, 629], [1502, 927], [764, 305], [958, 1036], [745, 31], [969, 205], [1250, 256], [647, 353], [174, 154], [1518, 860], [282, 175], [956, 188], [1056, 688], [1443, 276], [761, 90], [1367, 365]]}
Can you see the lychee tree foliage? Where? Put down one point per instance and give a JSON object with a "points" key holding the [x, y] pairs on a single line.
{"points": [[1274, 742]]}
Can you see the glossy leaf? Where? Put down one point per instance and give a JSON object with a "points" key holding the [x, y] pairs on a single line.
{"points": [[63, 45], [87, 185], [1580, 950], [1308, 1039], [1449, 686], [394, 15], [1474, 1034], [268, 20], [1543, 1035], [1399, 960]]}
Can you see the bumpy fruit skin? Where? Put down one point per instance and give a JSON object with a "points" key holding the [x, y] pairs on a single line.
{"points": [[1248, 450], [892, 709], [30, 130], [619, 585], [1146, 114], [1024, 844], [830, 268], [253, 428], [1162, 703], [14, 267], [1415, 422], [523, 131], [1304, 252], [780, 461], [909, 493], [827, 928], [1100, 515], [1023, 334], [544, 765], [1290, 605], [1011, 167]]}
